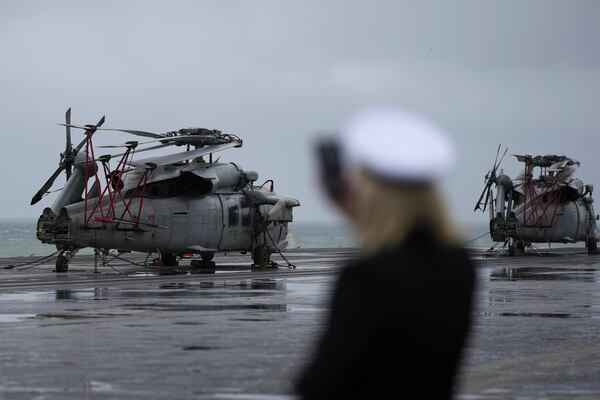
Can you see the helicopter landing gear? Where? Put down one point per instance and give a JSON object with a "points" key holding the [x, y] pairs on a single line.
{"points": [[511, 250], [261, 257], [516, 247], [169, 260], [206, 264], [62, 263], [207, 255], [592, 246]]}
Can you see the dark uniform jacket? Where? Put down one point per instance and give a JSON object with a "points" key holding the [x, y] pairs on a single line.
{"points": [[397, 325]]}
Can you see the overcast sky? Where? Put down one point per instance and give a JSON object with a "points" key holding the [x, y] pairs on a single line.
{"points": [[523, 73]]}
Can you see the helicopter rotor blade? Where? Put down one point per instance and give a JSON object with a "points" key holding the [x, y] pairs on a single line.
{"points": [[40, 193], [80, 145], [68, 122], [490, 178], [502, 158], [488, 190], [186, 155], [68, 146], [170, 140], [164, 141], [69, 125], [496, 159], [87, 128], [68, 157], [97, 127], [137, 133], [478, 204], [497, 163], [112, 146], [160, 146]]}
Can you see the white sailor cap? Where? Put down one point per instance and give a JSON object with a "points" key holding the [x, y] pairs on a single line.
{"points": [[398, 145]]}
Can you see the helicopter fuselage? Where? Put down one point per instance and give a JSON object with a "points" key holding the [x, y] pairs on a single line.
{"points": [[184, 224], [570, 223], [554, 207], [192, 208]]}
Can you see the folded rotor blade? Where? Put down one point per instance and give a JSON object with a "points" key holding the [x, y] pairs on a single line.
{"points": [[133, 132], [92, 128], [110, 146], [502, 158], [166, 140], [87, 127], [496, 159], [186, 155], [80, 145], [478, 204], [497, 163], [487, 196], [68, 125], [40, 193], [97, 127], [489, 179], [160, 146], [68, 122], [68, 146]]}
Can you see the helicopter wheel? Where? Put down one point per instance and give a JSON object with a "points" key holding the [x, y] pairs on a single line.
{"points": [[207, 255], [169, 260], [206, 264], [592, 246], [261, 256], [62, 264], [511, 250]]}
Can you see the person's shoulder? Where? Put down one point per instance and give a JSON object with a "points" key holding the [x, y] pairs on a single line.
{"points": [[373, 269], [411, 257]]}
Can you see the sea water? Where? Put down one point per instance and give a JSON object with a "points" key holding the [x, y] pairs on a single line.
{"points": [[17, 236]]}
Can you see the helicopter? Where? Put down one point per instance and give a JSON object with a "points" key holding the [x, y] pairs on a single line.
{"points": [[552, 207], [184, 203]]}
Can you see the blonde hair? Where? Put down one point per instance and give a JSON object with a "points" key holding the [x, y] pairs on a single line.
{"points": [[386, 212]]}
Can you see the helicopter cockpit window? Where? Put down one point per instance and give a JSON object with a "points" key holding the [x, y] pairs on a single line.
{"points": [[161, 189], [233, 211]]}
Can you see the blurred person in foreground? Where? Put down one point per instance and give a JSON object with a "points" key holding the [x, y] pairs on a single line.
{"points": [[400, 313]]}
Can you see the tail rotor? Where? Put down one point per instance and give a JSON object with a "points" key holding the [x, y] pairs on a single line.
{"points": [[69, 147], [67, 158], [489, 179]]}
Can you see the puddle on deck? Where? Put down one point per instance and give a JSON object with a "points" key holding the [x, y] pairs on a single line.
{"points": [[582, 274]]}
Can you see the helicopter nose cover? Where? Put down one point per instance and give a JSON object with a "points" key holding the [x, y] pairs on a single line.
{"points": [[396, 144]]}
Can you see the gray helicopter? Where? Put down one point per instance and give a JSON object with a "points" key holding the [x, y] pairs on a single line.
{"points": [[552, 207], [176, 204]]}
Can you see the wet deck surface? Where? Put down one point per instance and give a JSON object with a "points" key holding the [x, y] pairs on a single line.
{"points": [[237, 334]]}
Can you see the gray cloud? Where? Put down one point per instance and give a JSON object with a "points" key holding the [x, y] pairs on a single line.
{"points": [[526, 74]]}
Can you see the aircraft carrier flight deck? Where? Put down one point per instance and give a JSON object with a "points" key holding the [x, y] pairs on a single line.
{"points": [[130, 331]]}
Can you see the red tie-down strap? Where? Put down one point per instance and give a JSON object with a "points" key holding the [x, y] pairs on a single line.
{"points": [[140, 186], [552, 194], [114, 184], [113, 180]]}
